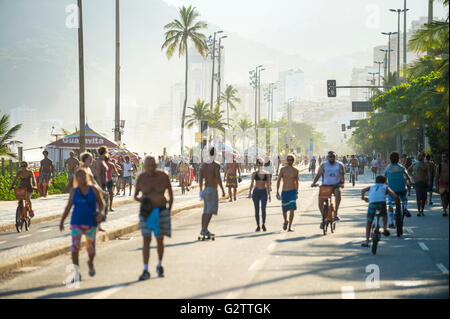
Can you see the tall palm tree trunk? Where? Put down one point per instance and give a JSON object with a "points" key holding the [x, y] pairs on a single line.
{"points": [[185, 102]]}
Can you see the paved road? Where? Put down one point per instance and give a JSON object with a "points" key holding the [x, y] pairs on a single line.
{"points": [[274, 264]]}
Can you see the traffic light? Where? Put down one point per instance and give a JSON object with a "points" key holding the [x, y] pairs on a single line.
{"points": [[343, 127], [331, 88]]}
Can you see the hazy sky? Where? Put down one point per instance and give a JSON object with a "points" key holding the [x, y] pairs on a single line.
{"points": [[319, 29]]}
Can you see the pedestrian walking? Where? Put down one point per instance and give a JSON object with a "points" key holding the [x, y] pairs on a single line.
{"points": [[154, 212], [210, 173], [442, 183], [430, 162], [422, 178], [231, 178], [84, 198], [289, 175], [261, 193]]}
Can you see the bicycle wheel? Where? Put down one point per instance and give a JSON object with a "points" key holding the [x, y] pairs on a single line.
{"points": [[375, 239], [353, 179], [325, 220], [399, 223], [25, 222], [19, 219], [333, 226]]}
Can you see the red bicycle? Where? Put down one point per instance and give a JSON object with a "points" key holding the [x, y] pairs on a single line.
{"points": [[22, 211]]}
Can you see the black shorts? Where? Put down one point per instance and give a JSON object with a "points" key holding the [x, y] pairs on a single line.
{"points": [[421, 190], [110, 184]]}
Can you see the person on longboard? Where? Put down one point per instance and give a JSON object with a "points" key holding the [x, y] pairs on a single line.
{"points": [[210, 172]]}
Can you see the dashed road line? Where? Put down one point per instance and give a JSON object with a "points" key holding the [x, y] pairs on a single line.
{"points": [[442, 268], [409, 231], [108, 292], [2, 242], [234, 294], [423, 246], [409, 283], [24, 236], [272, 246], [44, 230], [257, 264], [348, 292]]}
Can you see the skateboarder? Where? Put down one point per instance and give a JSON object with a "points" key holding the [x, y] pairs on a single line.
{"points": [[210, 172]]}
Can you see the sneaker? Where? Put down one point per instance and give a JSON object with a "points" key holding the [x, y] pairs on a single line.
{"points": [[257, 229], [145, 275], [444, 214], [336, 218], [91, 269], [291, 229], [407, 213], [365, 245], [203, 233], [264, 228], [391, 226], [386, 233], [160, 271]]}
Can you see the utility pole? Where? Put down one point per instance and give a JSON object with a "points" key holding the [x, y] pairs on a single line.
{"points": [[404, 33], [379, 70], [389, 52], [117, 133], [81, 78]]}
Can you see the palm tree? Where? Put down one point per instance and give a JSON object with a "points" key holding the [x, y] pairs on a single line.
{"points": [[229, 96], [177, 36], [200, 112], [215, 119], [6, 136], [244, 125]]}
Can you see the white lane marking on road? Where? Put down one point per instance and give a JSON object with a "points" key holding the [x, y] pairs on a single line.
{"points": [[271, 246], [409, 283], [348, 292], [234, 294], [258, 264], [108, 292], [409, 231], [24, 236], [44, 230], [442, 268], [423, 246], [2, 242]]}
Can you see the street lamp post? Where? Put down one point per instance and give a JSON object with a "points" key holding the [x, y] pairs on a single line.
{"points": [[219, 61], [379, 70], [389, 51], [117, 135], [259, 95], [81, 78], [289, 111], [386, 63], [398, 11], [213, 56]]}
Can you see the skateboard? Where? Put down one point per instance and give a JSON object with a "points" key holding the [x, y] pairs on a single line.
{"points": [[206, 237]]}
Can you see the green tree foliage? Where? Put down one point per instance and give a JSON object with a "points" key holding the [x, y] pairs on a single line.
{"points": [[178, 33], [6, 135]]}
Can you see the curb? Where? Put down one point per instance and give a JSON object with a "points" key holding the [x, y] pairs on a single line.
{"points": [[12, 227], [34, 258]]}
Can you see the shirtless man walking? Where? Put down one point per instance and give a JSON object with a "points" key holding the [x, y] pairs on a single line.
{"points": [[230, 176], [289, 195], [71, 166], [154, 213], [442, 181], [422, 178], [210, 172], [46, 173]]}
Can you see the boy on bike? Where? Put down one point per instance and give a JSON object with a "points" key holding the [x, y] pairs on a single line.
{"points": [[396, 174], [27, 180], [377, 201]]}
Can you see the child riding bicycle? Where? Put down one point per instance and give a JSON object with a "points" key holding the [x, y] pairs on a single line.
{"points": [[377, 201]]}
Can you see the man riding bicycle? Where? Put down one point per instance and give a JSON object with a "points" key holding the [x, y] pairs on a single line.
{"points": [[27, 180], [354, 164], [396, 174], [333, 174]]}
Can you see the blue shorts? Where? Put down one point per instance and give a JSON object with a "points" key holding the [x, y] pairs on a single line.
{"points": [[126, 179], [401, 196], [373, 207], [289, 200]]}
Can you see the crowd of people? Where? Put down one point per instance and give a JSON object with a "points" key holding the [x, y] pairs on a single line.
{"points": [[94, 180]]}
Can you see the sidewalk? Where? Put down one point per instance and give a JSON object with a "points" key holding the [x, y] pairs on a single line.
{"points": [[53, 206]]}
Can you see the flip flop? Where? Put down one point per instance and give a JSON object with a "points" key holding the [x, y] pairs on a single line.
{"points": [[285, 225]]}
